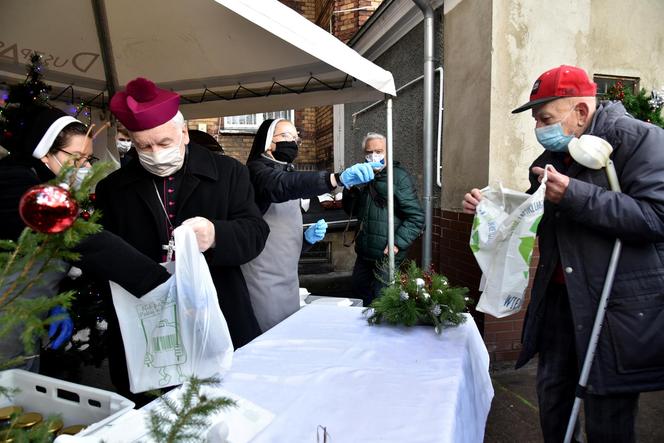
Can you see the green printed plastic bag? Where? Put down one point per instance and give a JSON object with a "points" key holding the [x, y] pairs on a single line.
{"points": [[502, 240], [177, 329]]}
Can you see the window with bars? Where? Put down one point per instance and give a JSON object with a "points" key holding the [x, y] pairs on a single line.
{"points": [[251, 122]]}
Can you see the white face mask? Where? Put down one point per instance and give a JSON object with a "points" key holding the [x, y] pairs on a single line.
{"points": [[81, 173], [163, 162], [123, 146], [375, 157]]}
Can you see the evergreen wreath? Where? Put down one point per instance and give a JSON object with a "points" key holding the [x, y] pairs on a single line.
{"points": [[419, 298]]}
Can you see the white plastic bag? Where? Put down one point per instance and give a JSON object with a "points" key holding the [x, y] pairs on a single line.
{"points": [[503, 239], [177, 329]]}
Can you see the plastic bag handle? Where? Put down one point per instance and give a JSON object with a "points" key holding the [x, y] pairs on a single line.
{"points": [[546, 173]]}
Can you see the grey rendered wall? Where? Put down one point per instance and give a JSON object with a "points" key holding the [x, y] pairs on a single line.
{"points": [[405, 61]]}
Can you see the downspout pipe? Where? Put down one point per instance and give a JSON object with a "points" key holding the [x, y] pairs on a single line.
{"points": [[427, 128]]}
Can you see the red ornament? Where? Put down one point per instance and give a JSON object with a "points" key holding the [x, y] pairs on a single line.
{"points": [[85, 215], [92, 197], [48, 209]]}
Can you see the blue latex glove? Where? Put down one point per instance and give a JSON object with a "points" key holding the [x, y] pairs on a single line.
{"points": [[359, 173], [316, 232], [64, 325]]}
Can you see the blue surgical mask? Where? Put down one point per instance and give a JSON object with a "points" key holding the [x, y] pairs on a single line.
{"points": [[553, 138]]}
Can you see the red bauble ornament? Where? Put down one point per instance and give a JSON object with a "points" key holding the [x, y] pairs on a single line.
{"points": [[85, 215], [92, 197], [48, 209]]}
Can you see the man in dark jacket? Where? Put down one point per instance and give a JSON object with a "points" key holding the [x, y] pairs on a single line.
{"points": [[369, 204], [582, 218], [173, 182]]}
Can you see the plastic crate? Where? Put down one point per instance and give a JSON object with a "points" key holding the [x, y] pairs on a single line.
{"points": [[74, 403]]}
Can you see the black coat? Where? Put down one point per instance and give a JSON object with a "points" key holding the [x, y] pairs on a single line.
{"points": [[277, 182], [104, 256], [581, 231], [214, 187]]}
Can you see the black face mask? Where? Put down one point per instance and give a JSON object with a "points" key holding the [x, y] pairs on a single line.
{"points": [[285, 151]]}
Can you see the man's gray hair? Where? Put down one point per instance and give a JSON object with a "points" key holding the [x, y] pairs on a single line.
{"points": [[178, 119], [372, 136]]}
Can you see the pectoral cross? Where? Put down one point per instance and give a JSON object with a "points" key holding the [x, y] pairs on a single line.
{"points": [[170, 249]]}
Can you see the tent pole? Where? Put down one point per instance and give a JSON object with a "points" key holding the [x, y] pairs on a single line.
{"points": [[101, 23], [390, 189], [427, 128]]}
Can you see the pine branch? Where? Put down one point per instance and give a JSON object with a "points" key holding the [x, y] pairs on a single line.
{"points": [[187, 417]]}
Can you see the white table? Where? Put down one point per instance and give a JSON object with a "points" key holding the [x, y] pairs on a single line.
{"points": [[326, 366]]}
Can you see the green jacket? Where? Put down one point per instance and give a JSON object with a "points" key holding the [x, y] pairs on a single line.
{"points": [[371, 213]]}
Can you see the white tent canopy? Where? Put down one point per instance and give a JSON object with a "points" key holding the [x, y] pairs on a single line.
{"points": [[225, 57]]}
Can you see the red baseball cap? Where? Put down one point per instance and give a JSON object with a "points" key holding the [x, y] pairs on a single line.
{"points": [[143, 105], [563, 81]]}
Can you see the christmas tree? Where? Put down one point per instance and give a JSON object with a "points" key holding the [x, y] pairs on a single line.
{"points": [[643, 106], [59, 216], [22, 101]]}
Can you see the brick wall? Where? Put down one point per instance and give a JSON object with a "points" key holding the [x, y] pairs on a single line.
{"points": [[237, 146], [349, 15], [324, 140], [502, 336], [305, 122]]}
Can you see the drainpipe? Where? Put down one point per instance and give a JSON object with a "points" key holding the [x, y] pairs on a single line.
{"points": [[427, 129]]}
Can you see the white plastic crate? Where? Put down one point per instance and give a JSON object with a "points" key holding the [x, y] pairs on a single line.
{"points": [[76, 404]]}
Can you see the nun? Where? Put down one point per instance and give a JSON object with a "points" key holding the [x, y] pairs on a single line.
{"points": [[51, 139], [272, 277]]}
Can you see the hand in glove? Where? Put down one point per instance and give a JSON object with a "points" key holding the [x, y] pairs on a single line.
{"points": [[316, 232], [204, 230], [63, 327], [358, 174]]}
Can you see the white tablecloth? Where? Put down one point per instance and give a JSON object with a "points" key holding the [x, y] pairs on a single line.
{"points": [[326, 366]]}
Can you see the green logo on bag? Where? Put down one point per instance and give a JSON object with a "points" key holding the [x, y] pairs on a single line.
{"points": [[475, 237], [527, 244]]}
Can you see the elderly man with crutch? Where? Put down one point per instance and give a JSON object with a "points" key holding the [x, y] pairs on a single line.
{"points": [[580, 259]]}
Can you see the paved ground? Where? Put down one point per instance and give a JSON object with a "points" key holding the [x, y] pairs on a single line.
{"points": [[514, 414]]}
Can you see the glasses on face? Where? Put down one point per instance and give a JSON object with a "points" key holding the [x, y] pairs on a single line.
{"points": [[80, 160], [289, 137]]}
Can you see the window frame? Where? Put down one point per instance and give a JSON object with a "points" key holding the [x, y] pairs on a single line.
{"points": [[609, 80], [260, 117]]}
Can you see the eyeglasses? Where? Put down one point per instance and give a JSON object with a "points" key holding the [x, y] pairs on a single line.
{"points": [[289, 137], [80, 160]]}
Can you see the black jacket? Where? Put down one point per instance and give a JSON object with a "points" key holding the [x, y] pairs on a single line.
{"points": [[214, 187], [277, 182], [581, 230]]}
